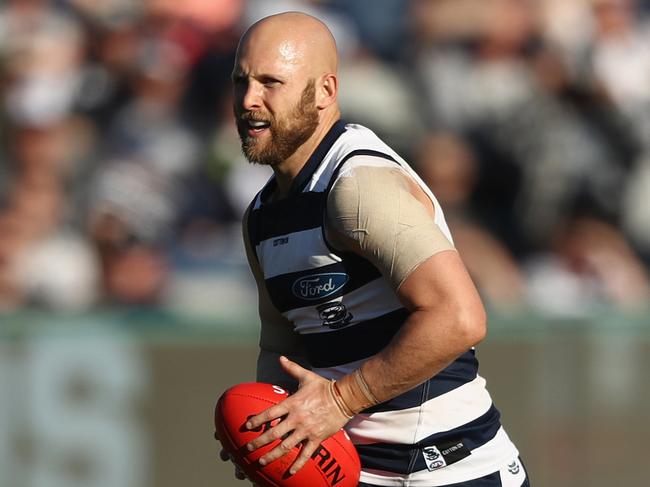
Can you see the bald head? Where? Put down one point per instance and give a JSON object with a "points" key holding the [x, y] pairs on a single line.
{"points": [[295, 38]]}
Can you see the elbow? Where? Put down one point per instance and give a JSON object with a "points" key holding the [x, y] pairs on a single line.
{"points": [[472, 325]]}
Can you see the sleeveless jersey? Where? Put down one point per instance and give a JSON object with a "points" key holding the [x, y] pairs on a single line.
{"points": [[443, 431]]}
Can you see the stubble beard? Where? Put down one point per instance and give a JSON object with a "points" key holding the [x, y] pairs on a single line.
{"points": [[287, 134]]}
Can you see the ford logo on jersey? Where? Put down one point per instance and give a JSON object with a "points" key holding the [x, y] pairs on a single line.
{"points": [[319, 286]]}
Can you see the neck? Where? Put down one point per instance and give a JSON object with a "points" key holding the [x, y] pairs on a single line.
{"points": [[287, 170]]}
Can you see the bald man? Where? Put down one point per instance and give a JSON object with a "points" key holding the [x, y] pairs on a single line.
{"points": [[366, 309]]}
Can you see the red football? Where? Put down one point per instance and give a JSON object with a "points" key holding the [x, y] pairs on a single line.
{"points": [[334, 463]]}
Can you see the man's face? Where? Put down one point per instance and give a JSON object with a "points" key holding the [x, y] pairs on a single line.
{"points": [[274, 100], [271, 137]]}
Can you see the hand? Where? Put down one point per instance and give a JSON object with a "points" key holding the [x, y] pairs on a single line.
{"points": [[309, 417], [225, 456]]}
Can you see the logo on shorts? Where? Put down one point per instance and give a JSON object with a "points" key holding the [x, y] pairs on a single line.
{"points": [[433, 458], [318, 286], [334, 315]]}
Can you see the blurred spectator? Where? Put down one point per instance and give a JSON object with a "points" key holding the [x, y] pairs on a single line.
{"points": [[130, 215], [636, 207], [381, 25], [590, 264], [621, 63], [621, 58], [368, 83], [44, 260], [447, 165], [552, 139], [42, 49], [149, 127]]}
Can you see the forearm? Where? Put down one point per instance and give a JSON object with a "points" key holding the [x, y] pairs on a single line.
{"points": [[424, 346], [443, 324]]}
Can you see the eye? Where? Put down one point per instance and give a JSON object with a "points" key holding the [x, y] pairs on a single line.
{"points": [[270, 81], [238, 79]]}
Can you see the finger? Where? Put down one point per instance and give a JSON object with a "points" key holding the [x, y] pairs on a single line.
{"points": [[308, 448], [282, 449], [224, 455], [275, 433], [239, 474], [266, 416]]}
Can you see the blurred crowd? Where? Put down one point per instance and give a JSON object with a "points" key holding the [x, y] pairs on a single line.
{"points": [[122, 182]]}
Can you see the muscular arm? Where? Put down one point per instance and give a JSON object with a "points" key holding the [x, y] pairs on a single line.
{"points": [[390, 222], [447, 319], [276, 332]]}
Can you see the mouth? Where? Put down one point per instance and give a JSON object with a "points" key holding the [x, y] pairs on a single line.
{"points": [[256, 128]]}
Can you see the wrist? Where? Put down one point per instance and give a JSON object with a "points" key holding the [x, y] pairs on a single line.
{"points": [[355, 392], [338, 400]]}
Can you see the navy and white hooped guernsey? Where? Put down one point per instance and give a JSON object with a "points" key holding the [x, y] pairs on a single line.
{"points": [[445, 430]]}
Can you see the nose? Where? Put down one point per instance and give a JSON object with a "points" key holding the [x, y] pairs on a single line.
{"points": [[250, 96]]}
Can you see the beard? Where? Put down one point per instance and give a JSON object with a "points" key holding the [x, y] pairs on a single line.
{"points": [[287, 133]]}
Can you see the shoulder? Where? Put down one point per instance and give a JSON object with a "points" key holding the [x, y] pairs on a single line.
{"points": [[372, 184]]}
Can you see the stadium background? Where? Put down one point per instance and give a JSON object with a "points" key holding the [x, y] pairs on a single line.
{"points": [[125, 302]]}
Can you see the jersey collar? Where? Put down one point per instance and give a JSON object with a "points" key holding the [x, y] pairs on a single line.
{"points": [[307, 171]]}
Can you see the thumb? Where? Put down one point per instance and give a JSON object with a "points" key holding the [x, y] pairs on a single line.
{"points": [[293, 369]]}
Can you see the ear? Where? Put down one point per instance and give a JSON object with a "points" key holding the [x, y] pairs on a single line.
{"points": [[327, 89]]}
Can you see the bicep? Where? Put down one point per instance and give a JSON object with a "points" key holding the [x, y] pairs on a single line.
{"points": [[441, 283], [441, 290]]}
